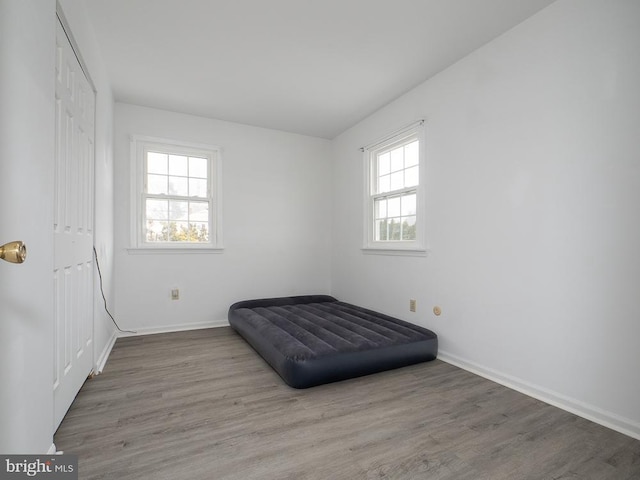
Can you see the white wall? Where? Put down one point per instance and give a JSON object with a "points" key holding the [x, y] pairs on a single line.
{"points": [[276, 224], [533, 153], [104, 330], [27, 42]]}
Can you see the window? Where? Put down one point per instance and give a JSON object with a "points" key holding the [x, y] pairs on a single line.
{"points": [[176, 196], [393, 203]]}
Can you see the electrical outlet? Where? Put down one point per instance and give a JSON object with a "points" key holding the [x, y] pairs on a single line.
{"points": [[175, 294], [412, 305]]}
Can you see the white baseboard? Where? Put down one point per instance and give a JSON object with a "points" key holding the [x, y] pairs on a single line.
{"points": [[175, 328], [577, 407], [102, 360], [52, 449]]}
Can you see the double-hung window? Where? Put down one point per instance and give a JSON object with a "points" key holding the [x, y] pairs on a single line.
{"points": [[176, 196], [394, 211]]}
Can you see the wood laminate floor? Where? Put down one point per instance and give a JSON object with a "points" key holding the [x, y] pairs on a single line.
{"points": [[204, 405]]}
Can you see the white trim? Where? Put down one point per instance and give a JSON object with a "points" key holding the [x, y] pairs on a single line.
{"points": [[173, 250], [402, 252], [412, 248], [595, 414], [104, 356], [135, 178], [137, 145], [74, 46], [52, 449], [175, 328]]}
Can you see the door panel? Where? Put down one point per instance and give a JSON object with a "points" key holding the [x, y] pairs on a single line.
{"points": [[73, 228], [27, 109]]}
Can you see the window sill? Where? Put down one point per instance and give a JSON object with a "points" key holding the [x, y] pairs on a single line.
{"points": [[173, 250], [402, 252]]}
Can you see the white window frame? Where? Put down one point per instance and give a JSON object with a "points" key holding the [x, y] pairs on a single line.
{"points": [[415, 247], [139, 146]]}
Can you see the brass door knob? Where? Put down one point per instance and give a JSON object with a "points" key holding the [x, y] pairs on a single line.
{"points": [[14, 252]]}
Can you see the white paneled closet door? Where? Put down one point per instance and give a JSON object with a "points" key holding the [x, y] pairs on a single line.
{"points": [[73, 227]]}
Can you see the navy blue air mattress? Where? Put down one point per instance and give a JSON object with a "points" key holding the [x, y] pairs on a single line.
{"points": [[315, 339]]}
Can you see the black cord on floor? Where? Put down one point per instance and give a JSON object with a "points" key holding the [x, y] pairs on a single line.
{"points": [[95, 254]]}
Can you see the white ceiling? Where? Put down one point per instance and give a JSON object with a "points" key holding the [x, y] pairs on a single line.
{"points": [[314, 67]]}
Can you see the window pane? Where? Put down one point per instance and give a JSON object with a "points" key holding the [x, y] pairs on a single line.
{"points": [[411, 154], [178, 210], [381, 208], [397, 180], [394, 229], [397, 159], [178, 231], [157, 209], [381, 230], [156, 163], [157, 231], [178, 165], [178, 186], [198, 211], [408, 205], [197, 187], [198, 167], [394, 189], [393, 207], [384, 164], [157, 184], [177, 193], [411, 177], [198, 232], [384, 184], [409, 228]]}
